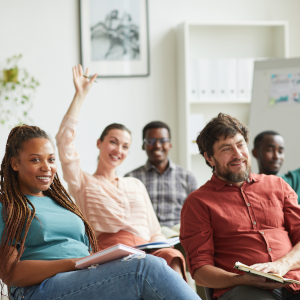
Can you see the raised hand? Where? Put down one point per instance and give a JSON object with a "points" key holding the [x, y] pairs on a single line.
{"points": [[82, 86], [81, 83]]}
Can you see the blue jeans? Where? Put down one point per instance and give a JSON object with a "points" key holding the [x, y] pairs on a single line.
{"points": [[126, 279]]}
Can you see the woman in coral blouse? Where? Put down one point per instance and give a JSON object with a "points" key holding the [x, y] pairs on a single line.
{"points": [[119, 209]]}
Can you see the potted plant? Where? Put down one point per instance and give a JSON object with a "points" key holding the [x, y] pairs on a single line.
{"points": [[11, 73], [17, 90]]}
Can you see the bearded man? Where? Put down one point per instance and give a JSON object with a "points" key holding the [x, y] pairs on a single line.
{"points": [[240, 216]]}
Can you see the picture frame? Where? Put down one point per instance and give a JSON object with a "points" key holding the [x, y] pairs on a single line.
{"points": [[114, 37]]}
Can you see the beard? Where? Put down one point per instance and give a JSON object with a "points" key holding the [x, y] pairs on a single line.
{"points": [[230, 176]]}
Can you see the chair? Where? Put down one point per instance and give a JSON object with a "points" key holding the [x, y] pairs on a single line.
{"points": [[209, 293]]}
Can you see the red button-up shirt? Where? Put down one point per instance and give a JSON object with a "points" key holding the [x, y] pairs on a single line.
{"points": [[256, 223]]}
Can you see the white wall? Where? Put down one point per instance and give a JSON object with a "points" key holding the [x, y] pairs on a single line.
{"points": [[47, 34]]}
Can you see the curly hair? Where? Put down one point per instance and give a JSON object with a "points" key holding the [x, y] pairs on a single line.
{"points": [[222, 125], [18, 211]]}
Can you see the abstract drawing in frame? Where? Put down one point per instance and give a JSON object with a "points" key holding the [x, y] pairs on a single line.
{"points": [[114, 37]]}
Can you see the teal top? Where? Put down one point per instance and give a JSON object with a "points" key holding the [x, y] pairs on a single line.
{"points": [[293, 179], [55, 233]]}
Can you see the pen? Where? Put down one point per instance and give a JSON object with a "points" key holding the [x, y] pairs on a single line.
{"points": [[88, 77]]}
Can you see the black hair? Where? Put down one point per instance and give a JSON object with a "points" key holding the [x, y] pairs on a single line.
{"points": [[113, 126], [154, 125], [258, 139]]}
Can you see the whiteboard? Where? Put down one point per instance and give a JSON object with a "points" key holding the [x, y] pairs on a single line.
{"points": [[283, 116]]}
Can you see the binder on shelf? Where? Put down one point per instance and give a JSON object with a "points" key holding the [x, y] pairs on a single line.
{"points": [[196, 125], [245, 78], [227, 79], [193, 80], [204, 86]]}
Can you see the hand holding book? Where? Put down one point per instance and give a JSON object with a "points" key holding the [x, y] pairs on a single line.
{"points": [[271, 276]]}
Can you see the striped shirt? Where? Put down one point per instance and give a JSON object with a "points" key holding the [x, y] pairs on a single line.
{"points": [[167, 191]]}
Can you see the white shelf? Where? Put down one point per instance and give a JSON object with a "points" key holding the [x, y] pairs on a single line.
{"points": [[218, 101], [225, 40]]}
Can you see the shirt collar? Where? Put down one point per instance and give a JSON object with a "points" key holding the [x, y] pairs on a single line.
{"points": [[149, 166], [218, 183]]}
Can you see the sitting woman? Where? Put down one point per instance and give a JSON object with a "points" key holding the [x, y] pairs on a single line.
{"points": [[118, 209], [43, 234]]}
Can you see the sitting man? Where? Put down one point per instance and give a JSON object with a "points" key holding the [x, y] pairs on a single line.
{"points": [[240, 216], [269, 152], [167, 184]]}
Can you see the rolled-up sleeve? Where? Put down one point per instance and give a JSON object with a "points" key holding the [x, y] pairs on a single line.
{"points": [[196, 234], [70, 159]]}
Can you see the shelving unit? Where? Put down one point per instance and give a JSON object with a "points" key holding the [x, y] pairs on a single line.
{"points": [[237, 40]]}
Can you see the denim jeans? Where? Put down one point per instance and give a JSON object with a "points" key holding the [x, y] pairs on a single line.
{"points": [[139, 277]]}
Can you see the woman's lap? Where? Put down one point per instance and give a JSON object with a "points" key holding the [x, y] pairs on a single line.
{"points": [[106, 240], [126, 279]]}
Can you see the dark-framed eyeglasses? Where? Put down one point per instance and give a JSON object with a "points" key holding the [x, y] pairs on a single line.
{"points": [[152, 141]]}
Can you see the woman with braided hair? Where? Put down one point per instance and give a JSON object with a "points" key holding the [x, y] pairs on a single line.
{"points": [[43, 234]]}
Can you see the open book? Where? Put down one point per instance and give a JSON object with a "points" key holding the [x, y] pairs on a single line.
{"points": [[271, 276], [112, 253], [161, 244], [170, 232]]}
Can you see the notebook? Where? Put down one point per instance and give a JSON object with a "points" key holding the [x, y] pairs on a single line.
{"points": [[112, 253], [271, 276], [161, 244]]}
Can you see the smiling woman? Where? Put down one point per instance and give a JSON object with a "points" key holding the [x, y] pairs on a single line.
{"points": [[35, 166], [119, 209]]}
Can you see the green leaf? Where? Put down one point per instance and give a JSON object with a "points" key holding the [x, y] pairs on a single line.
{"points": [[6, 98], [25, 113], [22, 102], [25, 97]]}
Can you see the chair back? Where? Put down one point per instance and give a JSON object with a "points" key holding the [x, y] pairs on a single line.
{"points": [[209, 293]]}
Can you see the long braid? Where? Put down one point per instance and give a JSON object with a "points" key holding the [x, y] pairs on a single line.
{"points": [[18, 211]]}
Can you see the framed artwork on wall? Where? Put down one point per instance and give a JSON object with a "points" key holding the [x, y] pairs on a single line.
{"points": [[114, 37]]}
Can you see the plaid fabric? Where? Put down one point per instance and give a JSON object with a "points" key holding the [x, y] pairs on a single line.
{"points": [[167, 191]]}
